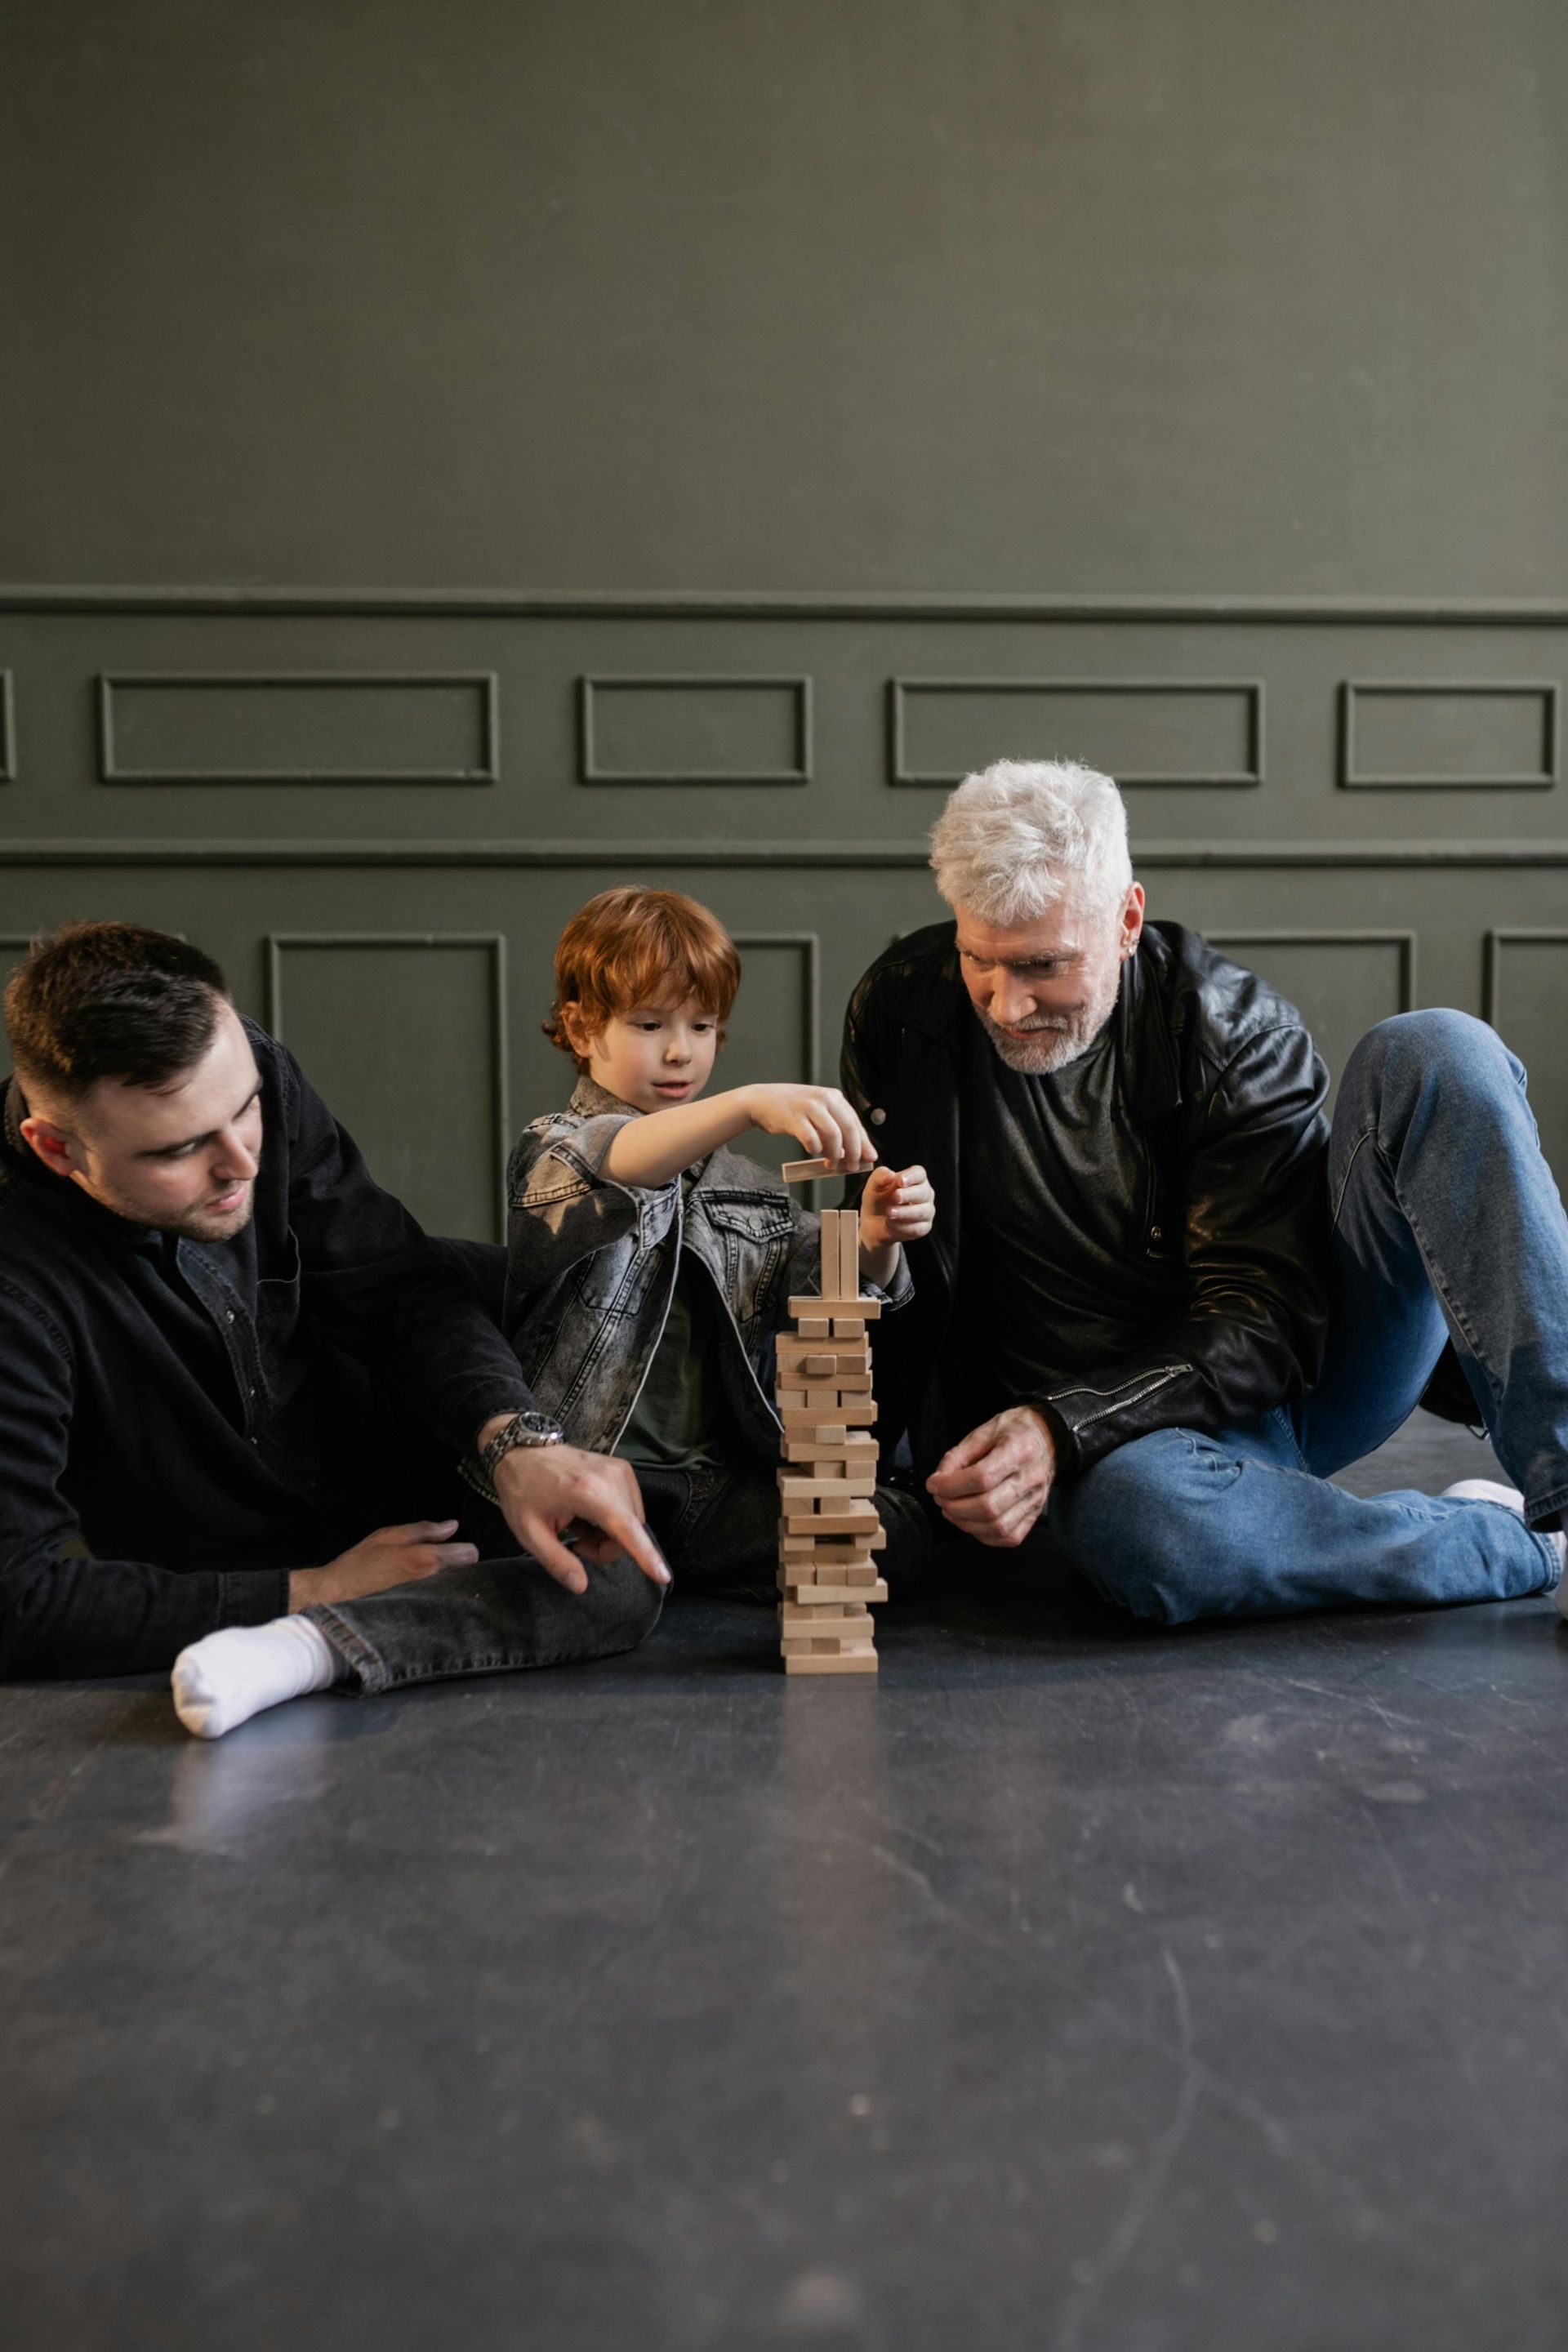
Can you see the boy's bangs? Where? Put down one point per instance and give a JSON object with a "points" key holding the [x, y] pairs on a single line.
{"points": [[663, 972]]}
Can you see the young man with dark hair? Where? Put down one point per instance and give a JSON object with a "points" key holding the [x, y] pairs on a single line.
{"points": [[227, 1353]]}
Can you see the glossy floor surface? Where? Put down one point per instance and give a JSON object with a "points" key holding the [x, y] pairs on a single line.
{"points": [[1061, 1987]]}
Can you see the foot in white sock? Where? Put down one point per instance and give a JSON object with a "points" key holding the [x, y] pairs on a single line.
{"points": [[225, 1678], [1487, 1490]]}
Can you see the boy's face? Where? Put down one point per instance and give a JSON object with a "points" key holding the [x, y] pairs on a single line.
{"points": [[654, 1054]]}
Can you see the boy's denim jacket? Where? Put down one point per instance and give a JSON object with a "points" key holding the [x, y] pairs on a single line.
{"points": [[591, 1267]]}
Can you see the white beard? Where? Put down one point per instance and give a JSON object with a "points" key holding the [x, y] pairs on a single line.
{"points": [[1054, 1045]]}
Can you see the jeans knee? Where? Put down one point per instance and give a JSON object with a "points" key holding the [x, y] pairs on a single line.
{"points": [[627, 1604], [1139, 1524], [1424, 1054]]}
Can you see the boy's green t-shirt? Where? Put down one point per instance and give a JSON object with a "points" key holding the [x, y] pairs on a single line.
{"points": [[679, 1419]]}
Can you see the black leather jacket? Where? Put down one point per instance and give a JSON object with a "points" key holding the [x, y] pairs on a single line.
{"points": [[1222, 1170]]}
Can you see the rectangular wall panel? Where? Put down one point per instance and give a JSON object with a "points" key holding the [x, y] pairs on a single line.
{"points": [[304, 728], [8, 728], [1343, 983], [404, 1033], [1525, 995], [775, 1030], [1444, 736], [1140, 730], [694, 730]]}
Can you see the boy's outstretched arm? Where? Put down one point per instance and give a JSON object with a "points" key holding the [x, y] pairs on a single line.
{"points": [[649, 1149]]}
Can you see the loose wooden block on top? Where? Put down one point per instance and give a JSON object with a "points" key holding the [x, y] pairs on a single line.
{"points": [[802, 1172]]}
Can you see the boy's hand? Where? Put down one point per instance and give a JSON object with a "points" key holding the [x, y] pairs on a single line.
{"points": [[819, 1118], [897, 1205]]}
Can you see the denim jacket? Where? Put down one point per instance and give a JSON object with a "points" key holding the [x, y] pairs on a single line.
{"points": [[591, 1268]]}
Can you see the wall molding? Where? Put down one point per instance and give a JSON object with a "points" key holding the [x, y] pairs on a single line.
{"points": [[274, 944], [871, 604], [900, 688], [8, 728], [487, 681], [1541, 781], [810, 1010], [1491, 963], [703, 851], [1405, 941], [590, 772]]}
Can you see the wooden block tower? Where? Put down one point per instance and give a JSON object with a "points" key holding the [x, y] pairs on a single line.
{"points": [[828, 1527]]}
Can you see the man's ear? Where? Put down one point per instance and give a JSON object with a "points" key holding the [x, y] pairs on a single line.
{"points": [[55, 1146], [1133, 919]]}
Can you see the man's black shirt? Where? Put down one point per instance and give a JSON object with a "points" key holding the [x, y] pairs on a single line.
{"points": [[1060, 1266], [182, 1422]]}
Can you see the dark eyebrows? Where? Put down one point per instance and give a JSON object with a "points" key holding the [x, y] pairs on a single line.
{"points": [[190, 1142], [1021, 963]]}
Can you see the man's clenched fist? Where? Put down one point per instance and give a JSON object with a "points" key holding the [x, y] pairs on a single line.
{"points": [[995, 1483]]}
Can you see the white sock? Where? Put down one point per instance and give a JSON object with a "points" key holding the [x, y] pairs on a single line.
{"points": [[1487, 1490], [225, 1678]]}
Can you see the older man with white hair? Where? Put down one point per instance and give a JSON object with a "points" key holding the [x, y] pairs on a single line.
{"points": [[1163, 1299]]}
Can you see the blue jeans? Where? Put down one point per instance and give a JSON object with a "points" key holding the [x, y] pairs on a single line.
{"points": [[1446, 1225]]}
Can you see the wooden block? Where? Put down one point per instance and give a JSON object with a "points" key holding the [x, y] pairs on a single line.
{"points": [[857, 1412], [834, 1557], [861, 1486], [861, 1663], [838, 1522], [849, 1445], [805, 1595], [814, 1327], [850, 1254], [849, 1326], [824, 1645], [802, 1172], [864, 1310], [819, 1613], [856, 1353], [829, 1276]]}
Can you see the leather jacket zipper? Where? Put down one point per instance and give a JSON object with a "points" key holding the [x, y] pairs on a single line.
{"points": [[1120, 1402]]}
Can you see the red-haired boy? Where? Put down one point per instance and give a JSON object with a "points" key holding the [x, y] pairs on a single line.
{"points": [[648, 1264]]}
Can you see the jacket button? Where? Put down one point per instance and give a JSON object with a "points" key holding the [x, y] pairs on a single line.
{"points": [[878, 1117], [1156, 1232]]}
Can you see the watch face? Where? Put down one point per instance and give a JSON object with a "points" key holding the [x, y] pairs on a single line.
{"points": [[539, 1425]]}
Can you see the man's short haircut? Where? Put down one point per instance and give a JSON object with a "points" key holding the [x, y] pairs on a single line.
{"points": [[110, 1001], [629, 947], [1023, 833]]}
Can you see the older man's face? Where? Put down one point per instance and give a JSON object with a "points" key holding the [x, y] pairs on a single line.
{"points": [[1045, 989]]}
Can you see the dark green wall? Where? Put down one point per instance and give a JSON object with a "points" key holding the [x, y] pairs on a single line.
{"points": [[1224, 295], [673, 440]]}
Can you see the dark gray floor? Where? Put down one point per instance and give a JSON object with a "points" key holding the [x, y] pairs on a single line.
{"points": [[1062, 1989]]}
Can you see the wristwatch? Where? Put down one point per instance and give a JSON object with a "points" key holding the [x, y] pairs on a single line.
{"points": [[522, 1429]]}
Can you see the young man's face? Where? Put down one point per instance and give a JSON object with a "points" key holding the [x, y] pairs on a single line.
{"points": [[182, 1157], [655, 1055], [1044, 991]]}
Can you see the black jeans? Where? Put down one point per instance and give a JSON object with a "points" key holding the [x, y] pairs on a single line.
{"points": [[713, 1525], [721, 1526]]}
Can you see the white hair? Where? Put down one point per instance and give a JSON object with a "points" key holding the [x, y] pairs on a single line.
{"points": [[1023, 833]]}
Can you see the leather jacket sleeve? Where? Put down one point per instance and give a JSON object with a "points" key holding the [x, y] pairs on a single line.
{"points": [[1254, 1244]]}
